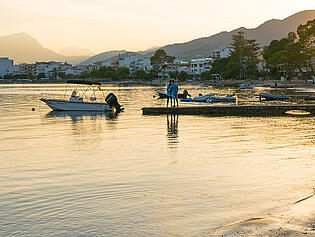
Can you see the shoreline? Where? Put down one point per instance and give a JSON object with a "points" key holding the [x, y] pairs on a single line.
{"points": [[259, 83], [298, 220]]}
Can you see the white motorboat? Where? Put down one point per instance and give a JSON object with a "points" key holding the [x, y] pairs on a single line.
{"points": [[67, 105], [81, 101]]}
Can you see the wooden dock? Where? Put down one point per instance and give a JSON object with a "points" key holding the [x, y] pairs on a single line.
{"points": [[233, 110]]}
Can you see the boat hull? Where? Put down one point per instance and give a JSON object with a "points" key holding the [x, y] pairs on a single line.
{"points": [[225, 99], [202, 98], [271, 97], [64, 105], [163, 95], [209, 98]]}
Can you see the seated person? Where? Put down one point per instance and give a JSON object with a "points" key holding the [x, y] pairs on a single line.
{"points": [[74, 97], [92, 99]]}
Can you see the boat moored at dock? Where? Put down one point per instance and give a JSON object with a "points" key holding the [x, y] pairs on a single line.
{"points": [[163, 94], [271, 97]]}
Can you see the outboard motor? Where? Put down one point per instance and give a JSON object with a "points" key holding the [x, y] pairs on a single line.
{"points": [[112, 101]]}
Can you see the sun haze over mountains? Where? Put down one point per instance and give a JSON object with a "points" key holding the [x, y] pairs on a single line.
{"points": [[24, 48], [135, 25]]}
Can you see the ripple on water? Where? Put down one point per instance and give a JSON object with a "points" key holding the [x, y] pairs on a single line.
{"points": [[83, 174]]}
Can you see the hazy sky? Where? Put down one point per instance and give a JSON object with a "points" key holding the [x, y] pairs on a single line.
{"points": [[102, 25]]}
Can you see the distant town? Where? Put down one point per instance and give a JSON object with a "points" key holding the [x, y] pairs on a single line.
{"points": [[52, 70], [292, 57]]}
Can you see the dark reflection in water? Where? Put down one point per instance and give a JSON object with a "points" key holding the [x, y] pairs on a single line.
{"points": [[172, 129], [85, 122], [78, 115]]}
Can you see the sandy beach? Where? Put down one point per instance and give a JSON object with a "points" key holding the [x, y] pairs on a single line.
{"points": [[297, 220]]}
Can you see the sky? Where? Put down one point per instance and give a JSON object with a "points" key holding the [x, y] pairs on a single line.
{"points": [[102, 25]]}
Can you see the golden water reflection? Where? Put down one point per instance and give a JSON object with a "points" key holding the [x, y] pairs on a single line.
{"points": [[172, 130], [143, 175]]}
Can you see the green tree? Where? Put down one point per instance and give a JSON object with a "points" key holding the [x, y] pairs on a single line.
{"points": [[109, 73], [123, 73], [160, 60], [150, 75], [288, 55], [244, 57], [140, 74], [251, 59], [206, 75], [292, 37], [306, 34], [226, 68], [181, 76], [275, 55], [84, 75], [41, 75]]}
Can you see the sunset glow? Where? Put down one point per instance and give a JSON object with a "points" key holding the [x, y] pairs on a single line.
{"points": [[102, 25]]}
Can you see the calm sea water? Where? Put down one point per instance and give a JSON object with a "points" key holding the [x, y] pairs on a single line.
{"points": [[70, 174]]}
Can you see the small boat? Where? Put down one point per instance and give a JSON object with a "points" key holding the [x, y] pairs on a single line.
{"points": [[270, 97], [80, 101], [201, 98], [126, 83], [163, 94], [246, 86], [222, 99]]}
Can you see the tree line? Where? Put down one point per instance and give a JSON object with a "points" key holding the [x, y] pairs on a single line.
{"points": [[291, 55], [287, 57]]}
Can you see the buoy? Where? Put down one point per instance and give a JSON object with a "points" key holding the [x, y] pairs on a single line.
{"points": [[33, 109]]}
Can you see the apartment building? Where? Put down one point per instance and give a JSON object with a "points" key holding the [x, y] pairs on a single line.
{"points": [[197, 66], [6, 66], [221, 53]]}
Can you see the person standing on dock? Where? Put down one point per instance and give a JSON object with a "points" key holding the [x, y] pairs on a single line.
{"points": [[174, 91], [168, 91]]}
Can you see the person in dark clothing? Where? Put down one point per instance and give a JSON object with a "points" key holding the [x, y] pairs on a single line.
{"points": [[168, 91], [174, 92]]}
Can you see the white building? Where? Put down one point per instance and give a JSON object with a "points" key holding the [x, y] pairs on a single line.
{"points": [[6, 66], [177, 66], [197, 66], [221, 53], [76, 70], [26, 69], [48, 68], [130, 60]]}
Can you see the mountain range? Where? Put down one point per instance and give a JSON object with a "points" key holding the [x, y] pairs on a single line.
{"points": [[23, 48], [264, 34]]}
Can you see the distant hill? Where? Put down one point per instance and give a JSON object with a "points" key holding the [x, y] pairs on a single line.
{"points": [[264, 34], [102, 57], [149, 50], [75, 60], [25, 49]]}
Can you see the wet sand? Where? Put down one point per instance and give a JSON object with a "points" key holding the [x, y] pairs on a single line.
{"points": [[298, 220]]}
